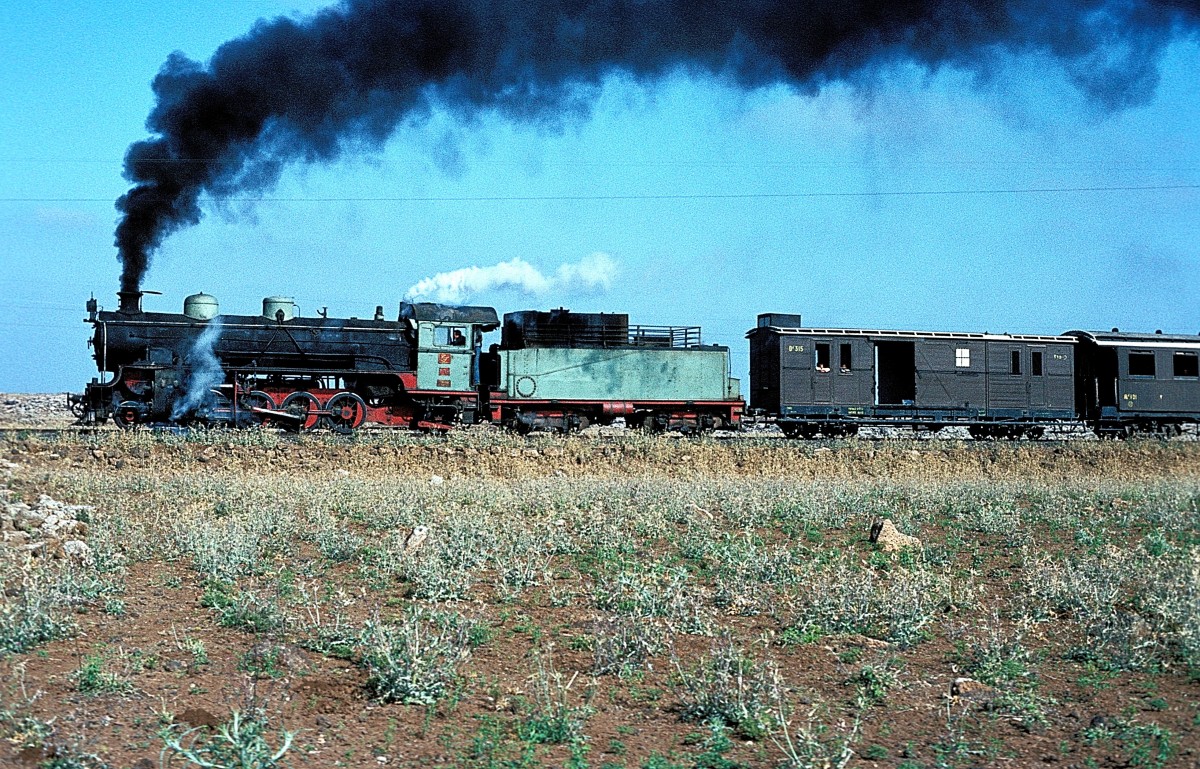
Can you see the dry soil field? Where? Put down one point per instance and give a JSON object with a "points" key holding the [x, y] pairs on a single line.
{"points": [[484, 600]]}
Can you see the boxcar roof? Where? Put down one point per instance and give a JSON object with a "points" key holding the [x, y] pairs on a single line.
{"points": [[886, 334], [1133, 339]]}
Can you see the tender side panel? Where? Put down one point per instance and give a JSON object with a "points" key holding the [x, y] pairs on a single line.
{"points": [[620, 374]]}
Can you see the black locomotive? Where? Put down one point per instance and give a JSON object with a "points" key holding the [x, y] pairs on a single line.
{"points": [[298, 372]]}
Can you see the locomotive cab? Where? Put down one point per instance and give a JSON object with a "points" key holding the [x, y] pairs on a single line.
{"points": [[449, 347]]}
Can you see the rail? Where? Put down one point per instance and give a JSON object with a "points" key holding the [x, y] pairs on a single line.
{"points": [[665, 336], [612, 336]]}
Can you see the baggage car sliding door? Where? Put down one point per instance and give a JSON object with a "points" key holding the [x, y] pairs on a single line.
{"points": [[896, 373]]}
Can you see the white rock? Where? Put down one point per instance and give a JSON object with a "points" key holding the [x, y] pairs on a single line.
{"points": [[77, 550], [415, 539]]}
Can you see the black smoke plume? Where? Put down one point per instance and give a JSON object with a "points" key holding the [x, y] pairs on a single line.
{"points": [[306, 90]]}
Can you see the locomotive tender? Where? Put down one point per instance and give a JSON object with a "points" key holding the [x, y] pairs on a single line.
{"points": [[558, 370]]}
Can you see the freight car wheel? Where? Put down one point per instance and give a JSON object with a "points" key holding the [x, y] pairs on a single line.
{"points": [[303, 408], [347, 412]]}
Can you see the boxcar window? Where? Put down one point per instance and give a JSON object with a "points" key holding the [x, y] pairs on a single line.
{"points": [[1141, 364], [1016, 361], [1187, 364], [847, 363], [962, 357], [822, 357], [1035, 363]]}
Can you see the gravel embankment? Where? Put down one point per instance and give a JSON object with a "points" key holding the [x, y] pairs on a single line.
{"points": [[34, 410]]}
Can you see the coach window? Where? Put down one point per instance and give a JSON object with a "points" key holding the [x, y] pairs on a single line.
{"points": [[962, 357], [822, 357], [1187, 364], [1035, 363], [1016, 361], [847, 365], [1141, 364]]}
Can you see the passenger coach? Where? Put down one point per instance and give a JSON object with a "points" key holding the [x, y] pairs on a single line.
{"points": [[1138, 382], [833, 381]]}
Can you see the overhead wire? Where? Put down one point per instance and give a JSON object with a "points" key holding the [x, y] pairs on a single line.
{"points": [[652, 197]]}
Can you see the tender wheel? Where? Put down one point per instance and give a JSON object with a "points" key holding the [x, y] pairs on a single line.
{"points": [[255, 399], [655, 422], [347, 412], [78, 407], [303, 408], [127, 414]]}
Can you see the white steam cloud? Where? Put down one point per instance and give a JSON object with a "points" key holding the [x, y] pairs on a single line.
{"points": [[594, 272], [206, 372]]}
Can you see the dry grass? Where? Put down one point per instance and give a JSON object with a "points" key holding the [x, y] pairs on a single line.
{"points": [[682, 586]]}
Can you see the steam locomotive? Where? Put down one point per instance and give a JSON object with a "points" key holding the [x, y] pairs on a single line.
{"points": [[427, 369], [561, 371]]}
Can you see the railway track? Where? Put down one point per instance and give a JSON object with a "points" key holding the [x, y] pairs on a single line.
{"points": [[756, 432]]}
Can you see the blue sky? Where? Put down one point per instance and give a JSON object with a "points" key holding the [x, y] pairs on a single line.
{"points": [[917, 200]]}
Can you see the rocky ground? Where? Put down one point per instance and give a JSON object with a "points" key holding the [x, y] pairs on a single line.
{"points": [[35, 410]]}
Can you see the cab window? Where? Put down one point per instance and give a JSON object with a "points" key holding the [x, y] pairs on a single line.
{"points": [[450, 336]]}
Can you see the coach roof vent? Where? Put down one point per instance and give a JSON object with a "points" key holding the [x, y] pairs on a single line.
{"points": [[779, 320]]}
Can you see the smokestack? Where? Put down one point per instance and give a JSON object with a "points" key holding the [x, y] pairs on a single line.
{"points": [[305, 90], [129, 302]]}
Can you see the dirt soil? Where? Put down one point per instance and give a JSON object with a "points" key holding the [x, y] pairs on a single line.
{"points": [[155, 652]]}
